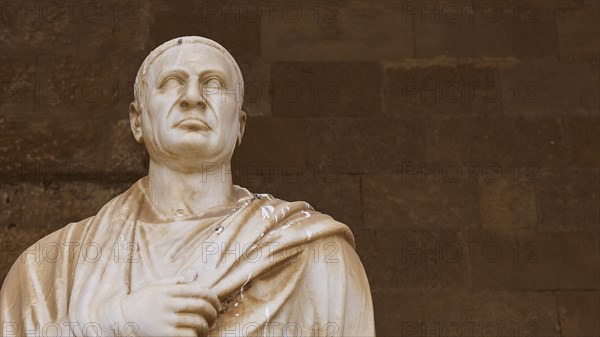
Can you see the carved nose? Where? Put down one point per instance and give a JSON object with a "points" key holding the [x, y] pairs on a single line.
{"points": [[189, 104], [192, 98]]}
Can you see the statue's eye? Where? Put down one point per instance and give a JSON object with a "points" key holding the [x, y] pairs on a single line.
{"points": [[213, 83], [171, 82]]}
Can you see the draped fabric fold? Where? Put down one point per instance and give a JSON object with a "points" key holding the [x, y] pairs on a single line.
{"points": [[279, 268]]}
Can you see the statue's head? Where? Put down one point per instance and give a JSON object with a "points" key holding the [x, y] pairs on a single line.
{"points": [[187, 106]]}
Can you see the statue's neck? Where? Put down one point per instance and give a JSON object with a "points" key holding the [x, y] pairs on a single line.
{"points": [[173, 192]]}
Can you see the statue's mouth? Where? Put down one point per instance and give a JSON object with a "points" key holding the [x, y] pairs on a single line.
{"points": [[193, 124]]}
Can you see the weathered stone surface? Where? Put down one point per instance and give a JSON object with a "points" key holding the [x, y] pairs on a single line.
{"points": [[463, 89], [257, 85], [326, 89], [360, 157], [336, 31], [270, 142], [227, 22], [561, 4], [569, 200], [583, 135], [41, 148], [26, 27], [579, 312], [484, 29], [498, 145], [17, 90], [66, 44], [333, 194], [499, 313], [424, 201], [507, 203], [59, 25], [397, 313], [126, 156], [80, 88], [533, 260], [550, 87], [412, 260], [12, 205], [358, 145], [55, 204], [579, 33]]}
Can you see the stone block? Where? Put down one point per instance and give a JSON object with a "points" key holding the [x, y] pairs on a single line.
{"points": [[336, 31], [569, 199], [126, 156], [442, 90], [550, 87], [498, 313], [497, 146], [359, 145], [39, 149], [227, 22], [55, 204], [579, 312], [409, 200], [327, 89], [507, 203], [533, 260], [397, 312], [269, 142], [484, 29], [413, 260], [584, 141], [257, 85], [579, 33]]}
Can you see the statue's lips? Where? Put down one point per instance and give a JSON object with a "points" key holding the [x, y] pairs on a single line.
{"points": [[193, 124]]}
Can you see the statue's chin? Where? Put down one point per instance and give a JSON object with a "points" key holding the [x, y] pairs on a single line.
{"points": [[196, 142], [191, 154], [190, 151]]}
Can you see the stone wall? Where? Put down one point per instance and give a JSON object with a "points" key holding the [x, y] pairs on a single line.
{"points": [[458, 139]]}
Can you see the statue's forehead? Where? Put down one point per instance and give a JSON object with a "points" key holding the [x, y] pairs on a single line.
{"points": [[200, 57]]}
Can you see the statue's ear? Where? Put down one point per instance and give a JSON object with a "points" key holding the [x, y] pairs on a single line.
{"points": [[242, 127], [135, 121]]}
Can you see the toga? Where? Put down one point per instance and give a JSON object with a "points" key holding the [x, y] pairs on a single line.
{"points": [[279, 268]]}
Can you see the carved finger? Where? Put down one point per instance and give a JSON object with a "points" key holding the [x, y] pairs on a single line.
{"points": [[197, 291], [187, 304], [193, 321], [184, 332], [195, 306]]}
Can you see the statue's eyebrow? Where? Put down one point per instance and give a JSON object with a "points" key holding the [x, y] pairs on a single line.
{"points": [[214, 72], [170, 72], [184, 74]]}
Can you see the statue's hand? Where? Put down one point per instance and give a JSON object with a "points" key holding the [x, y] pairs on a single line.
{"points": [[173, 307]]}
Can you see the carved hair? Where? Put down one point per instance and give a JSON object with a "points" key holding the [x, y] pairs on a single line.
{"points": [[141, 74]]}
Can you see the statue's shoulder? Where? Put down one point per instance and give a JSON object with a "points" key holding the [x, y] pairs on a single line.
{"points": [[281, 208], [269, 199], [76, 232], [300, 219]]}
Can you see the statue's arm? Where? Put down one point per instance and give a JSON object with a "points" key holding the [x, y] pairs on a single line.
{"points": [[330, 297], [35, 291], [339, 289]]}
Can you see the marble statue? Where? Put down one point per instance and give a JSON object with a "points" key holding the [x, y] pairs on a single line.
{"points": [[184, 251]]}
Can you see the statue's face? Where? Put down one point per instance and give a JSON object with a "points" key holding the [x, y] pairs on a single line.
{"points": [[190, 113]]}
